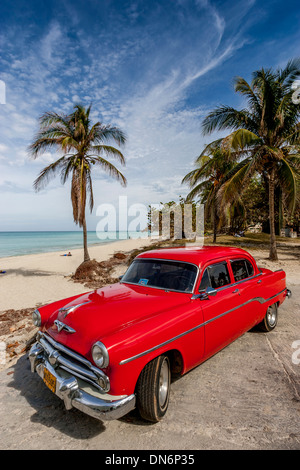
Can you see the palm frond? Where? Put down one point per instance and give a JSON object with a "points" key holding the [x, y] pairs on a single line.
{"points": [[202, 191], [290, 72], [200, 173], [189, 177], [226, 117], [242, 86], [111, 170], [292, 135], [108, 150], [51, 118], [240, 140], [68, 169], [289, 181], [48, 173], [233, 187], [211, 148], [49, 138], [106, 133]]}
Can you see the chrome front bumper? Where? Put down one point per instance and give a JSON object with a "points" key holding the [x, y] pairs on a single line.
{"points": [[71, 390]]}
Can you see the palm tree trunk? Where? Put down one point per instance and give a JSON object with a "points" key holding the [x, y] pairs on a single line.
{"points": [[215, 223], [273, 250], [85, 246]]}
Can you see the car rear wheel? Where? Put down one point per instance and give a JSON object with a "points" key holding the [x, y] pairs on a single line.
{"points": [[153, 389], [270, 320]]}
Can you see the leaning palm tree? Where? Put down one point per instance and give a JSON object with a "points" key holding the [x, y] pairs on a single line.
{"points": [[266, 134], [83, 146]]}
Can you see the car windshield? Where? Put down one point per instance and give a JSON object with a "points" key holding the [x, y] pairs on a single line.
{"points": [[162, 274]]}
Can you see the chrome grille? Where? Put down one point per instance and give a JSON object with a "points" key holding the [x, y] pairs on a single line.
{"points": [[60, 356]]}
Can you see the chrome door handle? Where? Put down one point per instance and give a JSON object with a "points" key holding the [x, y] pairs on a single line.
{"points": [[235, 291], [259, 281]]}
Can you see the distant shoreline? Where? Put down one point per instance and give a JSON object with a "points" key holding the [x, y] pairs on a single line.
{"points": [[26, 243], [40, 278], [56, 251]]}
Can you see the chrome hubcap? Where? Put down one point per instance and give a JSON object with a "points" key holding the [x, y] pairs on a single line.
{"points": [[271, 314], [163, 382]]}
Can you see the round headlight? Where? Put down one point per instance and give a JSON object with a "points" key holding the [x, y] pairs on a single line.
{"points": [[100, 355], [36, 318]]}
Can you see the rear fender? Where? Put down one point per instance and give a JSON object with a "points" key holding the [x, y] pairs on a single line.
{"points": [[271, 290]]}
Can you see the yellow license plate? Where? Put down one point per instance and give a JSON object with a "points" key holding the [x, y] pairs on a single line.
{"points": [[50, 380]]}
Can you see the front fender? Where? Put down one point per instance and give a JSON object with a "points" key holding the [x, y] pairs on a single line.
{"points": [[134, 347]]}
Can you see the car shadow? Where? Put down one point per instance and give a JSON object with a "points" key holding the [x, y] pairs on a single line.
{"points": [[134, 418], [49, 409]]}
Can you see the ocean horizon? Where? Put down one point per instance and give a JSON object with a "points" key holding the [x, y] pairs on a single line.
{"points": [[34, 242]]}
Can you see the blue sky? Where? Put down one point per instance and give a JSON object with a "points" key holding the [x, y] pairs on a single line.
{"points": [[153, 68]]}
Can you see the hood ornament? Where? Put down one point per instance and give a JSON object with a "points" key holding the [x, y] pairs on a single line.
{"points": [[62, 326], [67, 310]]}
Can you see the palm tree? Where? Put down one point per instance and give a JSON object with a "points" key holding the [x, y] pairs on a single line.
{"points": [[267, 136], [212, 169], [83, 145]]}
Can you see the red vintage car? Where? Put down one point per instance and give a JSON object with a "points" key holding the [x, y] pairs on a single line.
{"points": [[116, 348]]}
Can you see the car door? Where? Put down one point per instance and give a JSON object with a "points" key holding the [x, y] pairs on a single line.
{"points": [[248, 286], [221, 311]]}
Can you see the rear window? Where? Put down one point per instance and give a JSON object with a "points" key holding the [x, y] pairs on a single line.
{"points": [[241, 269]]}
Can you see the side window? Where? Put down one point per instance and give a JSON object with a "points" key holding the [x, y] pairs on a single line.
{"points": [[215, 276], [241, 269], [249, 268], [218, 275], [204, 281]]}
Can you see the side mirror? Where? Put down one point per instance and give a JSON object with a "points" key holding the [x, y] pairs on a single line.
{"points": [[209, 291]]}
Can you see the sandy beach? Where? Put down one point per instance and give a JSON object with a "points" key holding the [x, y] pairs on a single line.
{"points": [[31, 280]]}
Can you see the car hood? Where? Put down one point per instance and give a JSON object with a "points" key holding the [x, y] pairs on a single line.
{"points": [[96, 315]]}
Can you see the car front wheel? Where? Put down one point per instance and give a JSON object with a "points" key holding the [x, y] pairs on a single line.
{"points": [[153, 389]]}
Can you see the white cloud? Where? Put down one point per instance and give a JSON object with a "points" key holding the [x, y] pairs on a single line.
{"points": [[138, 79], [50, 45]]}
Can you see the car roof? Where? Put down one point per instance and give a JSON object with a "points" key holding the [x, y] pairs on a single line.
{"points": [[196, 255]]}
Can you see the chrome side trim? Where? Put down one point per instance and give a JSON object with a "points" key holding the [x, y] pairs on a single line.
{"points": [[261, 300], [239, 282]]}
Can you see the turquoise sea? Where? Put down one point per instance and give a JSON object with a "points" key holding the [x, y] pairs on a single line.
{"points": [[26, 243]]}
